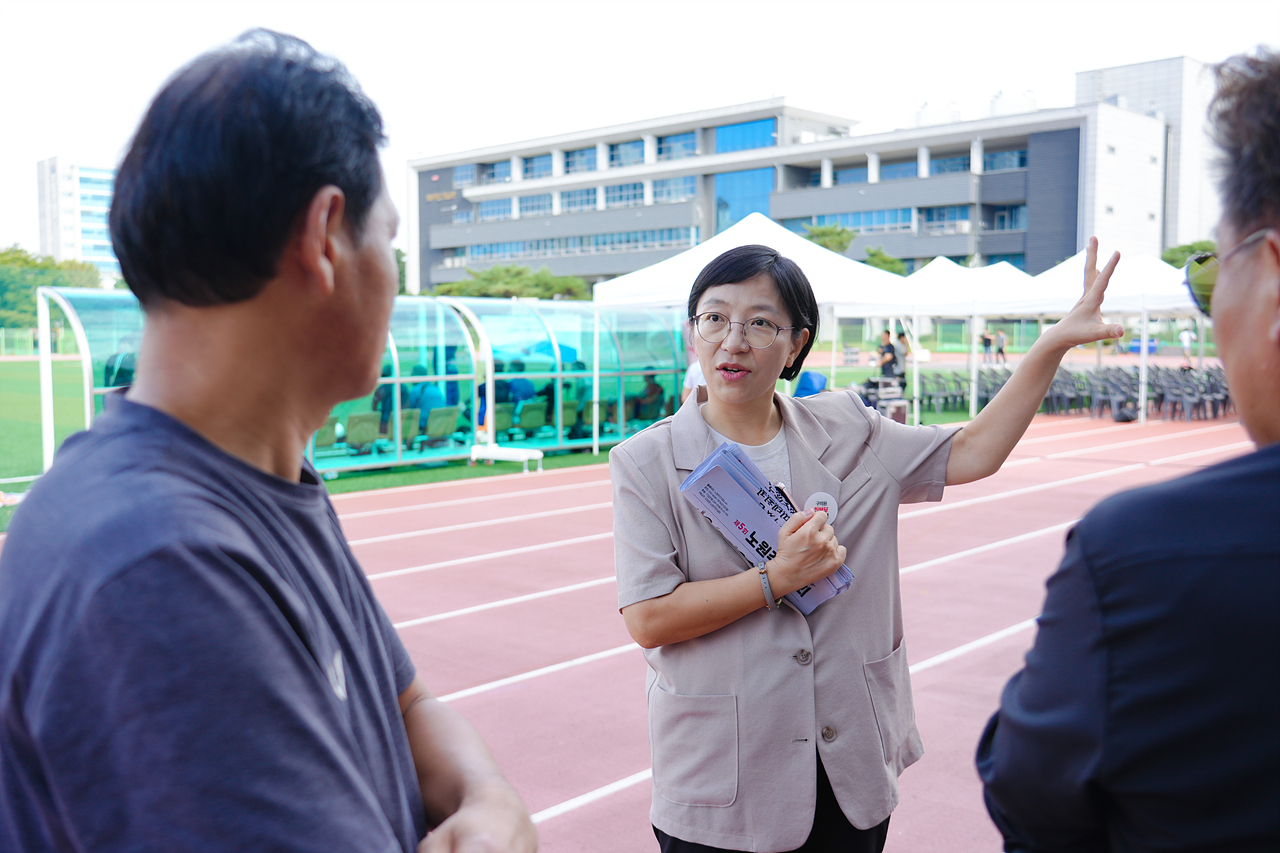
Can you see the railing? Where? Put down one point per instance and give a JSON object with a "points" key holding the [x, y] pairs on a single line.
{"points": [[959, 226]]}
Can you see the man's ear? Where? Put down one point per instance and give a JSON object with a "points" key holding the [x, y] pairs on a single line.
{"points": [[1270, 269], [320, 237]]}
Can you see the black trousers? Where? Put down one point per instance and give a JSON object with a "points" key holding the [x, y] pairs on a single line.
{"points": [[831, 833]]}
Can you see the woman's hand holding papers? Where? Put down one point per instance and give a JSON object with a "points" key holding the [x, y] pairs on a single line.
{"points": [[807, 552]]}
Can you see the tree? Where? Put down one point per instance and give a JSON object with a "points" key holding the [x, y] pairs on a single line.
{"points": [[1177, 255], [511, 280], [400, 266], [21, 273], [881, 259], [834, 237]]}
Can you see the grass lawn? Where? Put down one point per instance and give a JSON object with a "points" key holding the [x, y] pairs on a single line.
{"points": [[20, 433]]}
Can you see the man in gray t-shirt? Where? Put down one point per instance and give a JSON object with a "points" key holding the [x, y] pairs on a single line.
{"points": [[190, 657]]}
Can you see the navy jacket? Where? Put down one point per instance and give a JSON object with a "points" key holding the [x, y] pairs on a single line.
{"points": [[1148, 714]]}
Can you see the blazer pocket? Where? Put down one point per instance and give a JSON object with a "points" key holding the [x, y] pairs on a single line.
{"points": [[889, 683], [694, 740]]}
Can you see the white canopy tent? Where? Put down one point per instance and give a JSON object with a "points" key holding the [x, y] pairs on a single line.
{"points": [[835, 278]]}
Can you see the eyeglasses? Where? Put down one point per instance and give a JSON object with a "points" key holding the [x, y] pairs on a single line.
{"points": [[1201, 271], [759, 333]]}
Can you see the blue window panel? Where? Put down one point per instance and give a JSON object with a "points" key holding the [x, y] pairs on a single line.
{"points": [[952, 213], [815, 178], [626, 154], [677, 146], [580, 160], [853, 175], [462, 217], [797, 225], [495, 173], [537, 167], [464, 176], [667, 190], [871, 221], [898, 171], [741, 193], [591, 244], [624, 195], [93, 216], [535, 205], [492, 211], [1002, 161], [1018, 260], [943, 165], [94, 234], [89, 184], [749, 134], [572, 201], [1009, 217]]}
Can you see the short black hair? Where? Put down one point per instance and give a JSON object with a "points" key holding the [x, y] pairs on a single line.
{"points": [[226, 161], [1245, 114], [738, 265]]}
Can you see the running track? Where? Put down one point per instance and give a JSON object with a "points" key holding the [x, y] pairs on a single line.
{"points": [[502, 589]]}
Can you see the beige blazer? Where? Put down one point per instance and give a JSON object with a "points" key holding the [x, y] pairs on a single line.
{"points": [[737, 717]]}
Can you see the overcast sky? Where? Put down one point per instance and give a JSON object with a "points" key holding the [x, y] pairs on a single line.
{"points": [[450, 75]]}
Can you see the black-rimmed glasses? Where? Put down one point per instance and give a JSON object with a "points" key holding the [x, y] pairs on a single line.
{"points": [[759, 333], [1201, 271]]}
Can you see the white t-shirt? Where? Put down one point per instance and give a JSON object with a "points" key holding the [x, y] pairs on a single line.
{"points": [[771, 457], [1186, 336], [693, 376]]}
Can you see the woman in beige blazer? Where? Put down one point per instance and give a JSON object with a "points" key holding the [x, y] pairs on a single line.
{"points": [[770, 730]]}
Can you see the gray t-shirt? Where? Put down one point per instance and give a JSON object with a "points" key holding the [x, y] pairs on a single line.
{"points": [[191, 659]]}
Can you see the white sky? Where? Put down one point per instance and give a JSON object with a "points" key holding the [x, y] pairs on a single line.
{"points": [[450, 75]]}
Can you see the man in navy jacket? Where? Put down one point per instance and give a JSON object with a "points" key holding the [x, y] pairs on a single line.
{"points": [[1148, 714]]}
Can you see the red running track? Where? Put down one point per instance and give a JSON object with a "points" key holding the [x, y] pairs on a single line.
{"points": [[502, 589]]}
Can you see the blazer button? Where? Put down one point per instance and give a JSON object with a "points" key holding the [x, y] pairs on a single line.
{"points": [[803, 657], [829, 733]]}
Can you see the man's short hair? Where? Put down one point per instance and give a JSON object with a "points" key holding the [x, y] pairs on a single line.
{"points": [[226, 161], [1245, 115]]}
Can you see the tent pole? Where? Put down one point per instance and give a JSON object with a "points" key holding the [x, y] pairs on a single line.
{"points": [[973, 369], [1200, 339], [835, 339], [1142, 370]]}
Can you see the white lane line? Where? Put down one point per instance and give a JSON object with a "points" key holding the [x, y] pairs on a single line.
{"points": [[447, 484], [929, 663], [591, 796], [982, 549], [492, 555], [519, 599], [537, 673], [1044, 438], [1149, 440], [486, 522], [644, 775], [1053, 484], [472, 500]]}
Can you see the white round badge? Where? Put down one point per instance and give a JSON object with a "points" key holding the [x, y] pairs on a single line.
{"points": [[823, 502]]}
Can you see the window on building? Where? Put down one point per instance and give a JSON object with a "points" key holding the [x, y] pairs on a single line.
{"points": [[87, 183], [1009, 217], [94, 216], [580, 160], [591, 244], [495, 173], [1003, 161], [870, 221], [898, 171], [572, 201], [95, 234], [797, 225], [462, 217], [498, 208], [953, 219], [537, 167], [464, 176], [667, 190], [1018, 260], [741, 193], [102, 201], [749, 134], [677, 145], [626, 154], [943, 165], [815, 177], [624, 195], [535, 205], [851, 175]]}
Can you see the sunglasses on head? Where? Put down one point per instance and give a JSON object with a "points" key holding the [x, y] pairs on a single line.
{"points": [[1201, 271]]}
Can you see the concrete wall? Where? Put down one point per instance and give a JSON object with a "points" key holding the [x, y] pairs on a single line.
{"points": [[934, 191]]}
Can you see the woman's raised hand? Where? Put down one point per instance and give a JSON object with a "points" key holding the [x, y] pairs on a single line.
{"points": [[807, 552], [1083, 325]]}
